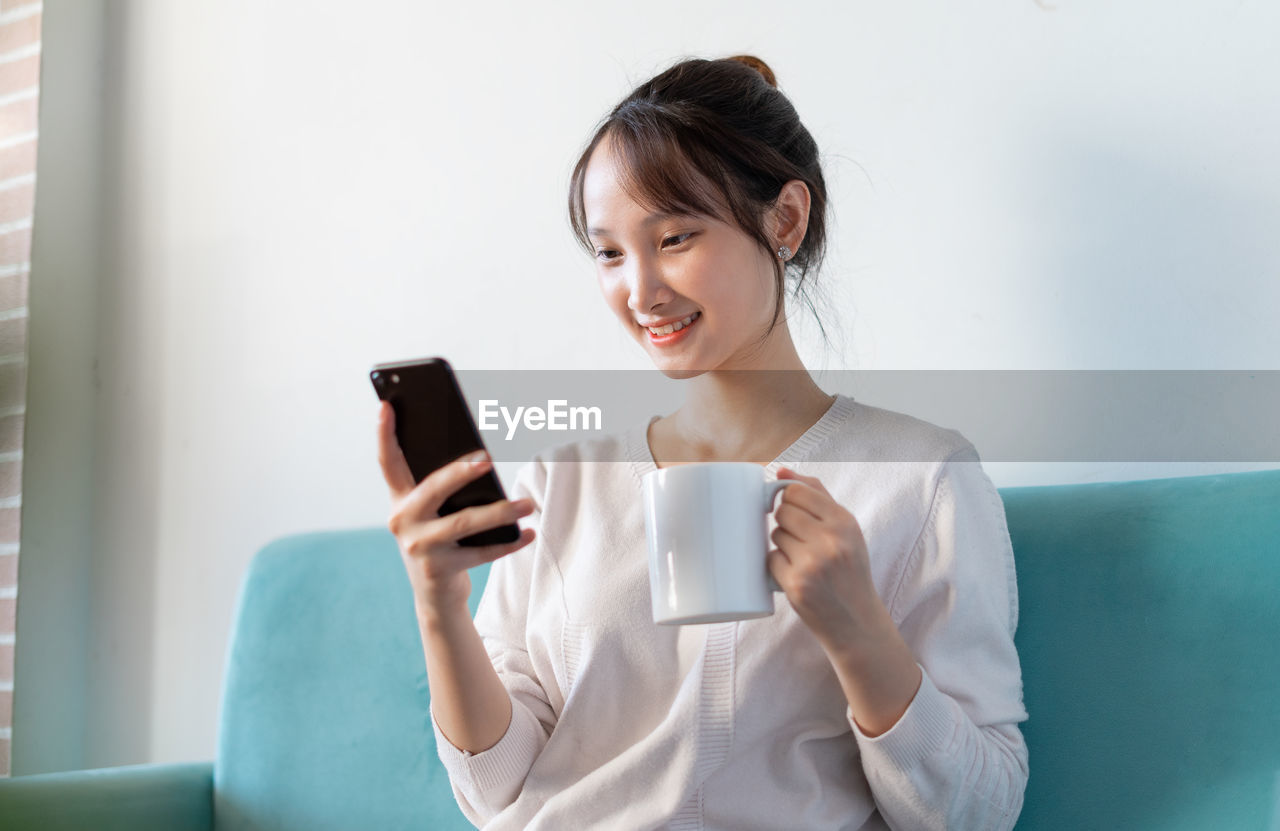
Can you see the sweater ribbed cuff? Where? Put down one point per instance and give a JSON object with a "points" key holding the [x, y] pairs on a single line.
{"points": [[500, 766], [927, 726]]}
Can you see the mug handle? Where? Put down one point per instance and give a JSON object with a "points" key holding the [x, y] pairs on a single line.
{"points": [[770, 493]]}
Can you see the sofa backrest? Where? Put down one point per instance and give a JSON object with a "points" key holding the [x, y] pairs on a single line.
{"points": [[1149, 613], [323, 720], [1150, 616]]}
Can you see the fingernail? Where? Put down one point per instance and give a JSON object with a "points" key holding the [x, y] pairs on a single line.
{"points": [[478, 457]]}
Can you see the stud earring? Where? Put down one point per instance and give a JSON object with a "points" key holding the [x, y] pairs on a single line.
{"points": [[784, 253]]}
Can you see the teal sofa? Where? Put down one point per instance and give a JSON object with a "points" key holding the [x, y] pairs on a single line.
{"points": [[1150, 618]]}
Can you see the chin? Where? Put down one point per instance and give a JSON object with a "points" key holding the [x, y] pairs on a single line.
{"points": [[677, 374]]}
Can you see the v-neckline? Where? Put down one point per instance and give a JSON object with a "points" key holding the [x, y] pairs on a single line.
{"points": [[641, 456]]}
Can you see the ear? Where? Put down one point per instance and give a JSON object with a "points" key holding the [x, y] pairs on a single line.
{"points": [[791, 214]]}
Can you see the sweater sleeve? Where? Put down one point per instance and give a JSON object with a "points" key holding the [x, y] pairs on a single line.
{"points": [[956, 758], [484, 783]]}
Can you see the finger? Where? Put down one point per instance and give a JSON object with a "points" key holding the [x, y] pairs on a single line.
{"points": [[478, 518], [802, 495], [788, 543], [799, 503], [811, 481], [472, 557], [390, 457], [425, 499], [797, 521]]}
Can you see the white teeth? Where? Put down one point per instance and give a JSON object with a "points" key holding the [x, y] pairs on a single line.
{"points": [[674, 327]]}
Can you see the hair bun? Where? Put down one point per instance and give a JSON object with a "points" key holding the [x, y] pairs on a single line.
{"points": [[759, 66]]}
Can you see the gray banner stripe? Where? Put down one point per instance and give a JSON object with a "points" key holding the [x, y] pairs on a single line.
{"points": [[1009, 415]]}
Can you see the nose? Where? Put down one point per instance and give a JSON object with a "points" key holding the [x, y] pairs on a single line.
{"points": [[646, 286]]}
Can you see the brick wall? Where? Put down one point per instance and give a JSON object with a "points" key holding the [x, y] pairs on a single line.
{"points": [[19, 100]]}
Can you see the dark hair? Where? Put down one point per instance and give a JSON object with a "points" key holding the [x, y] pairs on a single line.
{"points": [[706, 137]]}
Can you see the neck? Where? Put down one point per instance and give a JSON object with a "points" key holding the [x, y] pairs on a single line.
{"points": [[750, 412]]}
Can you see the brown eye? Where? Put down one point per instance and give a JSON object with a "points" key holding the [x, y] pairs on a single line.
{"points": [[679, 238]]}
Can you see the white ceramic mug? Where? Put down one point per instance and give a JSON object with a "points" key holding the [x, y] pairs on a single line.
{"points": [[706, 525]]}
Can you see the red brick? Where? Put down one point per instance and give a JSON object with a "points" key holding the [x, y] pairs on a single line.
{"points": [[8, 612], [5, 769], [6, 659], [11, 430], [10, 525], [13, 336], [8, 570], [20, 74], [6, 708], [18, 117], [16, 203], [18, 160], [13, 385], [14, 291], [22, 32], [10, 478], [15, 247]]}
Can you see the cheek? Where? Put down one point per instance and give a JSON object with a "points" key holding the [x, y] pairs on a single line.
{"points": [[761, 293], [615, 294], [733, 280], [608, 286]]}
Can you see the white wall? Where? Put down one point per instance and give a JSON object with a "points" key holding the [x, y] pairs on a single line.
{"points": [[296, 190]]}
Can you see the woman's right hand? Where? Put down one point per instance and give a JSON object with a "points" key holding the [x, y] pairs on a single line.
{"points": [[437, 565]]}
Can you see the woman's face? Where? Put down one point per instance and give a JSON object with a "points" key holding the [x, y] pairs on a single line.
{"points": [[655, 269]]}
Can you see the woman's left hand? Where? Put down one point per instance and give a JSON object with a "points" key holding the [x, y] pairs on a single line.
{"points": [[821, 562]]}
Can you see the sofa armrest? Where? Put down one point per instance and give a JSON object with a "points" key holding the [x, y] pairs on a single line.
{"points": [[159, 796]]}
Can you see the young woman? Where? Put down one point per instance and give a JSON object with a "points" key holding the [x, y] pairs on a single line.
{"points": [[885, 690]]}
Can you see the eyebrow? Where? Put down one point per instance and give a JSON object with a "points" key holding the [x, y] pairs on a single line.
{"points": [[652, 218]]}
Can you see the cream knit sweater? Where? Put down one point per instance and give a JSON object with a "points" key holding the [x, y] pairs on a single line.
{"points": [[619, 723]]}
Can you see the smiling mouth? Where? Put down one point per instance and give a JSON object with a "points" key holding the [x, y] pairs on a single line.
{"points": [[673, 335]]}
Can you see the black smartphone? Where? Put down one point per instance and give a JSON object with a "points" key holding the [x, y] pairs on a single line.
{"points": [[434, 427]]}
